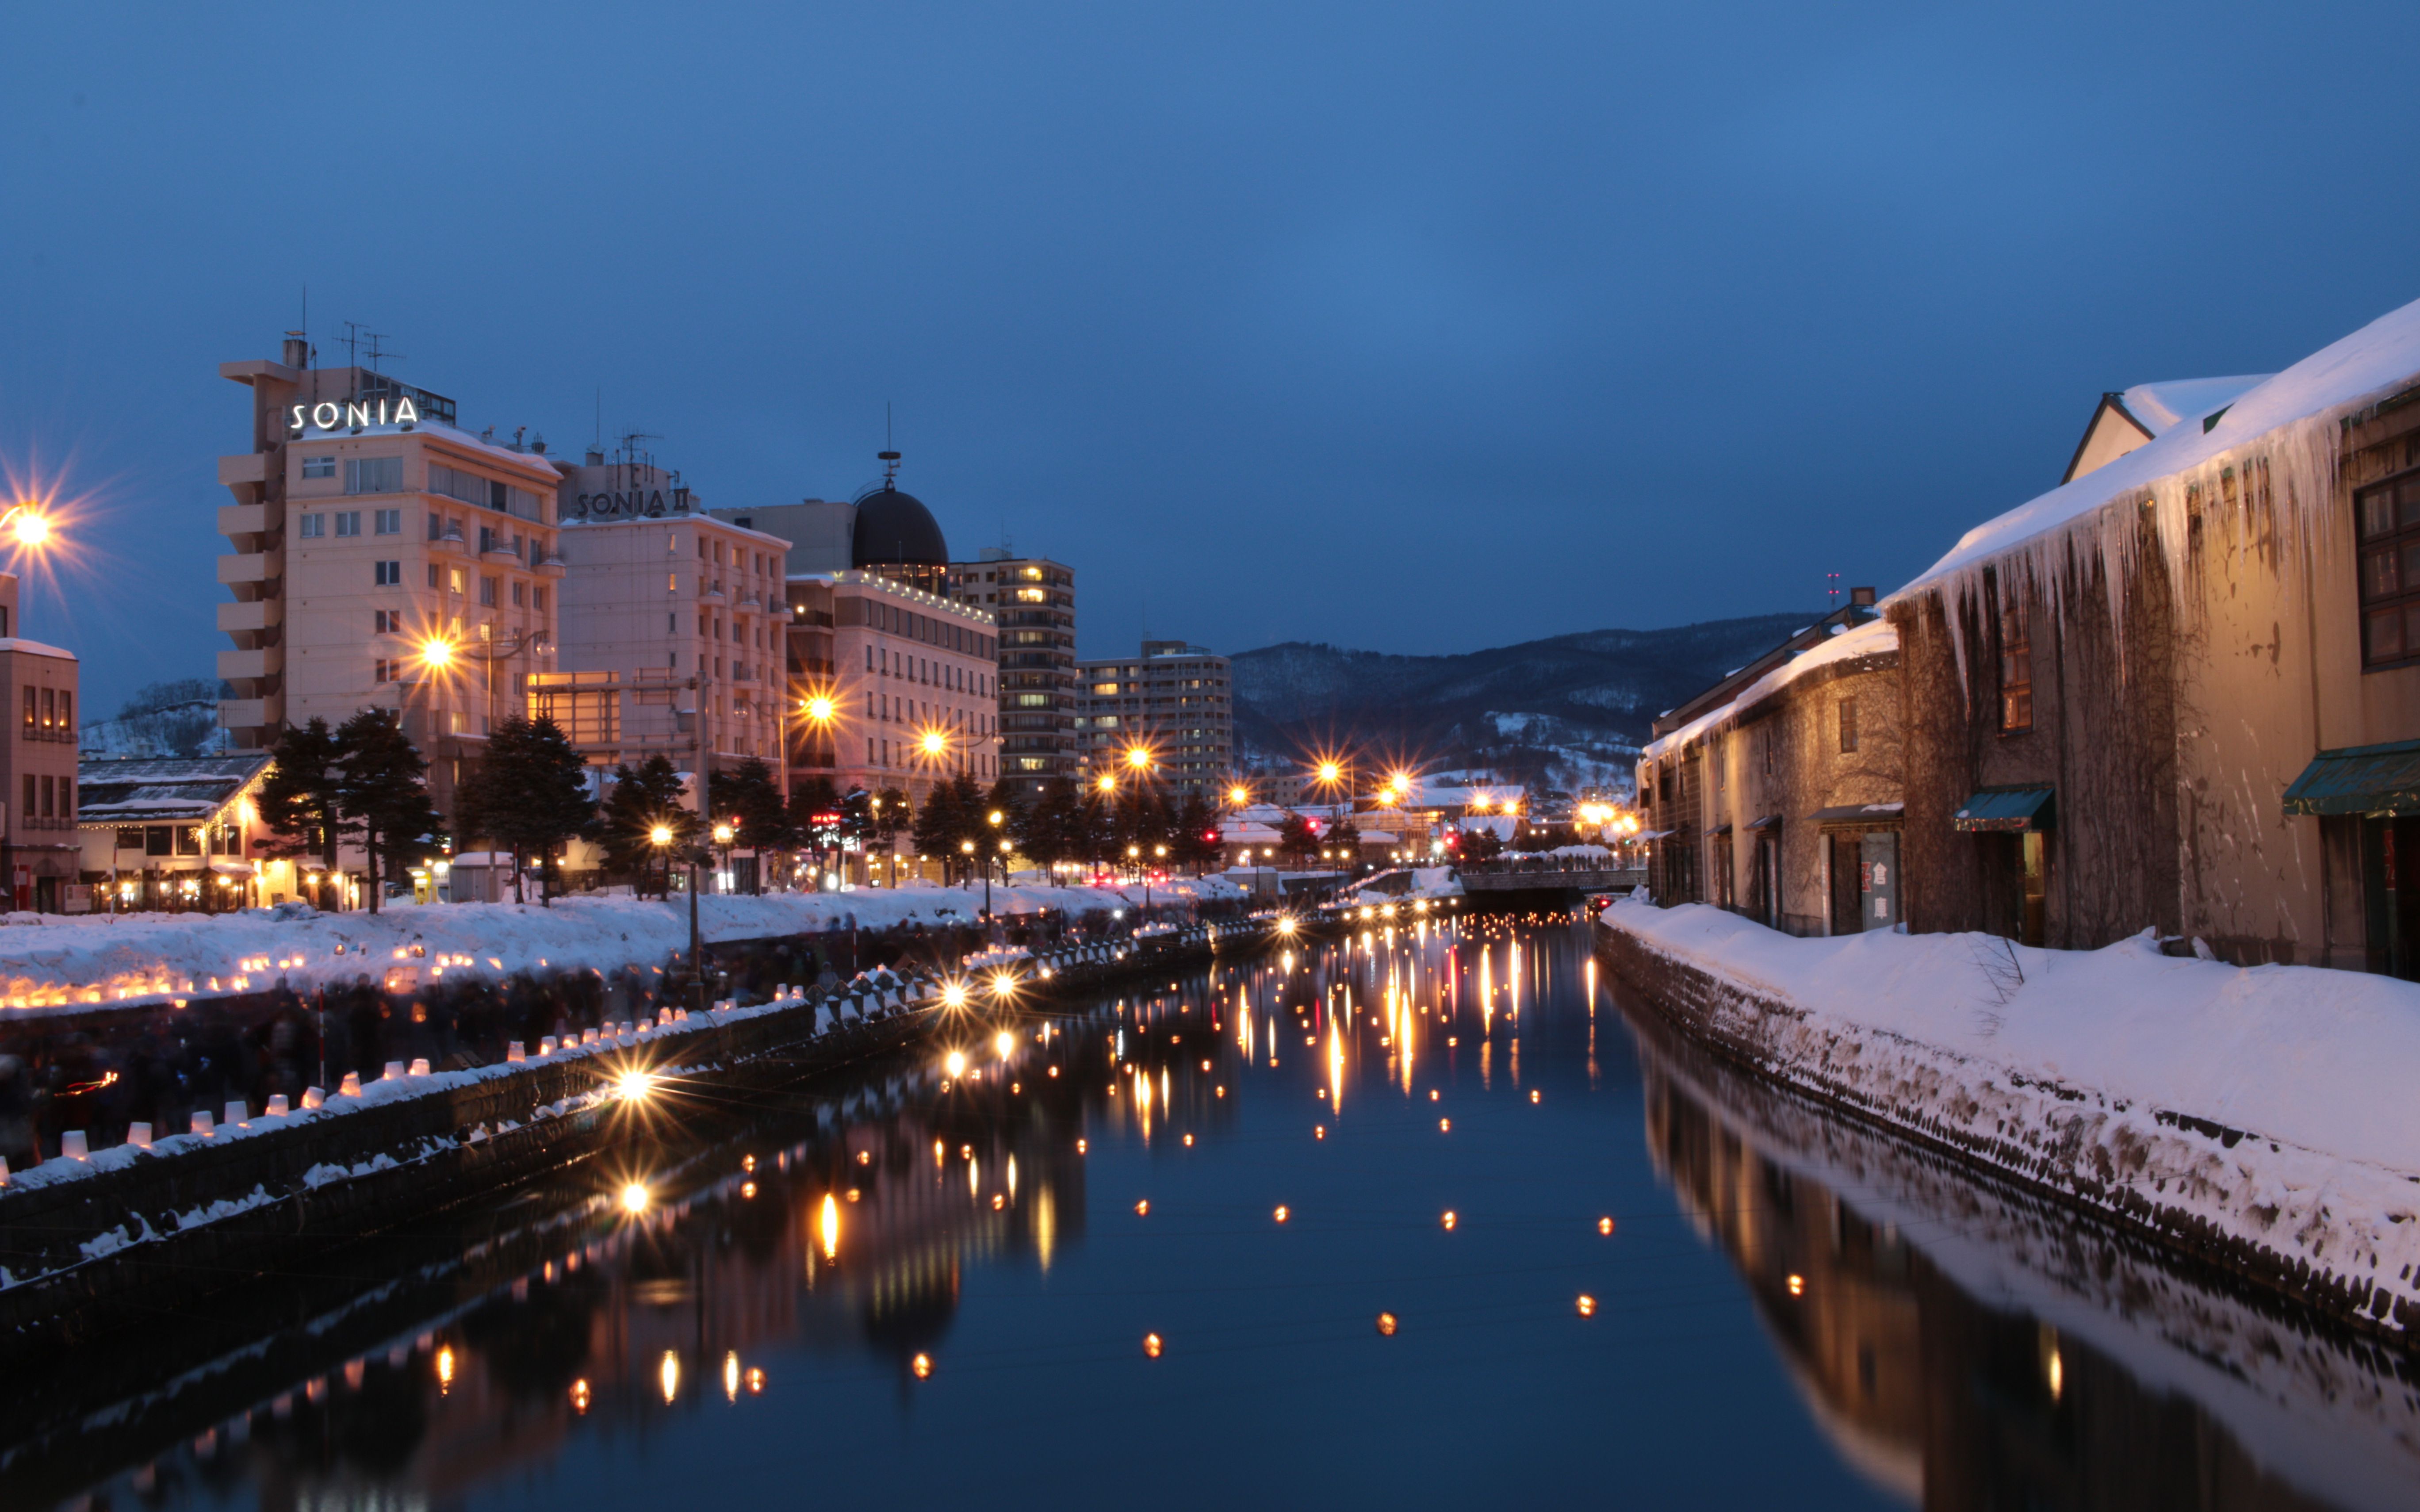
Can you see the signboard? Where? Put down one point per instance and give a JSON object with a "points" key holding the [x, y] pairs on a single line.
{"points": [[330, 415], [1878, 878], [635, 504]]}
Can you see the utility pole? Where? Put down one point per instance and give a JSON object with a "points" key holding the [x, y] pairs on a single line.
{"points": [[696, 963]]}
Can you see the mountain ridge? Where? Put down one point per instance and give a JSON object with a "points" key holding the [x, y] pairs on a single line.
{"points": [[1587, 697]]}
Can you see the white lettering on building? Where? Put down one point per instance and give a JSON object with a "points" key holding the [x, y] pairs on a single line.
{"points": [[329, 415]]}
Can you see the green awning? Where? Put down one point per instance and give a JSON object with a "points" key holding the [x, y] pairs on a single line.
{"points": [[2362, 780], [2005, 810]]}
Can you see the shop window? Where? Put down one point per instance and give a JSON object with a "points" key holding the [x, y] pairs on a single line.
{"points": [[159, 839], [2016, 669], [1848, 725], [319, 466], [2389, 520], [312, 527], [131, 838]]}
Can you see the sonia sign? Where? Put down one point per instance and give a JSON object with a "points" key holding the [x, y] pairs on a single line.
{"points": [[329, 415]]}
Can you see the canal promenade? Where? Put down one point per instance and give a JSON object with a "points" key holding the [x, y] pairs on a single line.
{"points": [[2255, 1119], [100, 1235]]}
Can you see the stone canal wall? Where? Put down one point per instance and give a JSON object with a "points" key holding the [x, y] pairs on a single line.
{"points": [[2333, 1234], [90, 1240]]}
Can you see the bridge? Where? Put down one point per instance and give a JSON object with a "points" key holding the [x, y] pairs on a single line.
{"points": [[1530, 877]]}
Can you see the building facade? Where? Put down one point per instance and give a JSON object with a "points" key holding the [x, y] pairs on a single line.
{"points": [[1172, 700], [39, 684], [2180, 692], [1034, 600], [666, 610], [382, 559], [171, 833], [891, 687]]}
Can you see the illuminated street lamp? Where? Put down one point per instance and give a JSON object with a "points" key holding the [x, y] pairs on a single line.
{"points": [[661, 838], [26, 525]]}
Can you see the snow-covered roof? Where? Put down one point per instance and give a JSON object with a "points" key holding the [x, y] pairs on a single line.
{"points": [[164, 787], [436, 430], [2160, 405], [1872, 638], [36, 647], [2288, 420]]}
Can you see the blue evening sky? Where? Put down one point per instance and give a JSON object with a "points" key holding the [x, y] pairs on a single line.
{"points": [[1413, 328]]}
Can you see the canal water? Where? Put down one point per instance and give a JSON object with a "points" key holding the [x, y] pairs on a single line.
{"points": [[1431, 1217]]}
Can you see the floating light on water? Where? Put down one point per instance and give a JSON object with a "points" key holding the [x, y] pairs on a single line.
{"points": [[1605, 1225], [1142, 1208], [1319, 1131], [954, 1063], [1189, 1141], [830, 1227], [1003, 1042], [580, 1396], [1797, 1285], [1387, 1324], [1432, 1094], [1445, 1126], [1151, 1345], [756, 1380], [2055, 1369], [923, 1367], [1080, 1146], [731, 1376], [1281, 1212], [1588, 1306], [865, 1157], [1449, 1219], [634, 1197], [445, 1369], [668, 1376], [1533, 1097]]}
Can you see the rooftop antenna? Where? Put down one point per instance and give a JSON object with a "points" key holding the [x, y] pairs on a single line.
{"points": [[888, 456], [371, 339], [630, 449], [600, 441]]}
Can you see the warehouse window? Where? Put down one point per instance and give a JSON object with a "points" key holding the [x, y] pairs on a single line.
{"points": [[2016, 669], [2389, 520], [1848, 724]]}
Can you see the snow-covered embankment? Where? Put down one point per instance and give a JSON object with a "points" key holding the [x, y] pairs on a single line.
{"points": [[2260, 1117]]}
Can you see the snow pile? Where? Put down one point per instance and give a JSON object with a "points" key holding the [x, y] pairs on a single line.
{"points": [[76, 963], [2267, 1106]]}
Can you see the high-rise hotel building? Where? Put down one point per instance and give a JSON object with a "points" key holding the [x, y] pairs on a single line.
{"points": [[382, 559], [1034, 599], [1175, 702]]}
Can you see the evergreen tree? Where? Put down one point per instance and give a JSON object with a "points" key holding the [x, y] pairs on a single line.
{"points": [[644, 798], [1050, 830], [1346, 841], [940, 824], [298, 795], [1297, 839], [749, 798], [1195, 843], [528, 795], [383, 794]]}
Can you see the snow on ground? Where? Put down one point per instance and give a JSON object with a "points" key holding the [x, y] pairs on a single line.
{"points": [[2288, 1120], [73, 963]]}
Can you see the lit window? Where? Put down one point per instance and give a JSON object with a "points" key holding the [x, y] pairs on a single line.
{"points": [[2016, 669]]}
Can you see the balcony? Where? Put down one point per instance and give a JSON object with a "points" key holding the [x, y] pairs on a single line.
{"points": [[239, 666], [260, 614], [251, 467], [237, 521], [250, 568], [554, 567], [262, 713]]}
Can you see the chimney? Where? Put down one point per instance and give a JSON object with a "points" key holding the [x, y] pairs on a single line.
{"points": [[1862, 595], [298, 352]]}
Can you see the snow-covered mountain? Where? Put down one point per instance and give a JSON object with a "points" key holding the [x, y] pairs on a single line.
{"points": [[1571, 701]]}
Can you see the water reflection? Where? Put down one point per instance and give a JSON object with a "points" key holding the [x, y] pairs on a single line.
{"points": [[1753, 1302], [1968, 1347]]}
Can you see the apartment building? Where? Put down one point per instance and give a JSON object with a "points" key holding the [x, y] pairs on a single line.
{"points": [[1034, 599], [661, 594], [891, 686], [39, 854], [381, 558], [1172, 699]]}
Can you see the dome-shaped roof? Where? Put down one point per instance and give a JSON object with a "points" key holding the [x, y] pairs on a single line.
{"points": [[894, 527]]}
